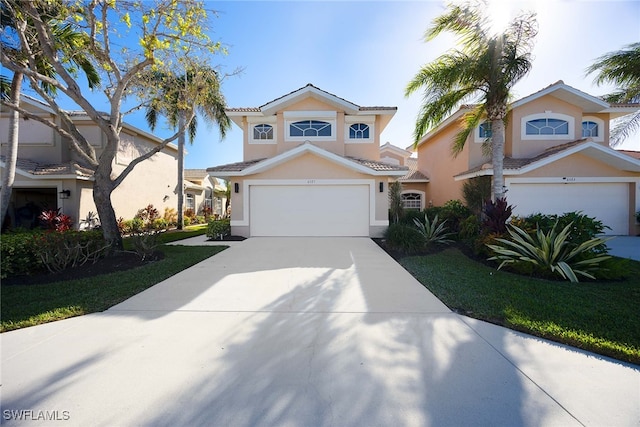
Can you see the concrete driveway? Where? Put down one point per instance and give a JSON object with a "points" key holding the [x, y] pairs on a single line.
{"points": [[302, 332]]}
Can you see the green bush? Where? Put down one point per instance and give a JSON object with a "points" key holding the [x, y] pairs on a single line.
{"points": [[18, 254], [409, 215], [404, 238], [218, 229], [549, 253], [69, 249], [475, 191], [470, 228], [433, 231]]}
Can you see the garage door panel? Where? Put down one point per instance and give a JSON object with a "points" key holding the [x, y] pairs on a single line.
{"points": [[320, 210], [608, 202]]}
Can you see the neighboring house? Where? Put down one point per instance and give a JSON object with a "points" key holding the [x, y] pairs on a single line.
{"points": [[414, 183], [311, 167], [49, 174], [203, 191], [557, 159]]}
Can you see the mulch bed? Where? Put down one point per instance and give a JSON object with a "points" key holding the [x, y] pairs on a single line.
{"points": [[118, 262]]}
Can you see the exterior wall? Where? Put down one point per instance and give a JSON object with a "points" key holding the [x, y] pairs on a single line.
{"points": [[436, 159], [388, 153], [38, 142], [418, 187], [530, 148], [578, 165]]}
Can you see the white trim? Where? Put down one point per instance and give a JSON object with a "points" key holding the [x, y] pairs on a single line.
{"points": [[273, 140], [571, 180], [422, 196], [599, 122], [596, 103], [284, 182], [476, 134], [571, 123], [352, 120]]}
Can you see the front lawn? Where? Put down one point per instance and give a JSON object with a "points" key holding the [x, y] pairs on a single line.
{"points": [[600, 317], [29, 305]]}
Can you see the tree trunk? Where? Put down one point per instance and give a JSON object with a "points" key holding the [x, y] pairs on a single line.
{"points": [[102, 189], [497, 157], [181, 138], [9, 172]]}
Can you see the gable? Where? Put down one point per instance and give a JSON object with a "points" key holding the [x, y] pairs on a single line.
{"points": [[578, 165], [310, 104], [310, 166]]}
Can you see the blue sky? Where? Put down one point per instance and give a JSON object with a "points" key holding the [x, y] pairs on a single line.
{"points": [[367, 51]]}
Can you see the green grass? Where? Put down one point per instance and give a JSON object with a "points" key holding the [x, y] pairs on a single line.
{"points": [[31, 305], [601, 317]]}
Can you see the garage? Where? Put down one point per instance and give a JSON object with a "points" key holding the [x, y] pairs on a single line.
{"points": [[608, 202], [309, 210]]}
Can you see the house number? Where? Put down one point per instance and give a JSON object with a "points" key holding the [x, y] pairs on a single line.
{"points": [[311, 181], [569, 179]]}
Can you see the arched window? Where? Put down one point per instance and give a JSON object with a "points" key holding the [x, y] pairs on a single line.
{"points": [[263, 131], [547, 126], [310, 128], [593, 127], [359, 131], [412, 200]]}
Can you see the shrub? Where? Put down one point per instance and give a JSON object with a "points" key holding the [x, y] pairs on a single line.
{"points": [[171, 216], [189, 213], [218, 229], [186, 221], [58, 251], [475, 191], [548, 253], [91, 221], [433, 232], [409, 215], [396, 209], [200, 219], [55, 221], [469, 228], [18, 254], [148, 214], [404, 238], [453, 212], [496, 215]]}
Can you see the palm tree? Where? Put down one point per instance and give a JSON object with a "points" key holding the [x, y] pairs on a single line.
{"points": [[67, 39], [621, 68], [483, 69], [179, 98]]}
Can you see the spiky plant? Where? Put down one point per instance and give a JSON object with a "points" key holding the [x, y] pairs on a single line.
{"points": [[549, 252], [433, 232]]}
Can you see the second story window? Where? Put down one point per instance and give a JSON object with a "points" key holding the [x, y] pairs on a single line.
{"points": [[485, 130], [310, 128], [589, 129], [263, 132], [547, 127], [359, 131]]}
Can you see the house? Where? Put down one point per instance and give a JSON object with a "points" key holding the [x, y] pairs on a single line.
{"points": [[557, 158], [204, 192], [311, 167], [414, 183], [49, 175]]}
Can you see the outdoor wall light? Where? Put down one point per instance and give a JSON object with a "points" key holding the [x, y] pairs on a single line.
{"points": [[65, 194], [236, 187], [381, 186]]}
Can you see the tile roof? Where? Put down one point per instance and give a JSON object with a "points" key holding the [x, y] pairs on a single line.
{"points": [[413, 174], [376, 165], [514, 164], [35, 168], [634, 154], [259, 109], [234, 167], [195, 173]]}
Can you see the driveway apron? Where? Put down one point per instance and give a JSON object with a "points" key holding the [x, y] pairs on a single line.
{"points": [[301, 332]]}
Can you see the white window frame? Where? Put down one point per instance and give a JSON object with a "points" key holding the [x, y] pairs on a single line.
{"points": [[187, 198], [571, 122], [422, 197], [291, 117], [476, 134], [255, 121], [352, 120], [599, 122]]}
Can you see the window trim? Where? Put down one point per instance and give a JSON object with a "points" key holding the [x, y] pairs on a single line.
{"points": [[255, 121], [422, 197], [599, 122], [353, 120], [476, 133], [571, 123]]}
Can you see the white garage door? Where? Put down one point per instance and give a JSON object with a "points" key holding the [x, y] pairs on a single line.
{"points": [[608, 202], [315, 210]]}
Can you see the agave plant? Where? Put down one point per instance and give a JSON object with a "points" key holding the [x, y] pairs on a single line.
{"points": [[549, 252], [433, 232]]}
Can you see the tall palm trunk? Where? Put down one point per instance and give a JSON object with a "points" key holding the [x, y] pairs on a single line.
{"points": [[181, 143], [497, 157], [9, 172]]}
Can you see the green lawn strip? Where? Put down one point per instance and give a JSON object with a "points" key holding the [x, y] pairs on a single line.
{"points": [[601, 317], [30, 305]]}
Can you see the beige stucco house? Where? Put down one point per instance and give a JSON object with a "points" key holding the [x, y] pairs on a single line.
{"points": [[50, 175], [557, 159], [414, 183], [203, 191], [311, 167]]}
